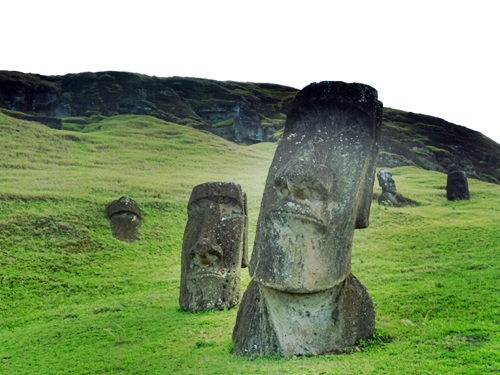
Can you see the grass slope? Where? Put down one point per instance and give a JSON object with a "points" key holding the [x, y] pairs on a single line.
{"points": [[74, 300]]}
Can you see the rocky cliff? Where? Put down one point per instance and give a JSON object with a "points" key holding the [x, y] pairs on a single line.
{"points": [[433, 143], [241, 112]]}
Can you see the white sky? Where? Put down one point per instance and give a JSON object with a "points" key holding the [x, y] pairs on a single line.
{"points": [[436, 57]]}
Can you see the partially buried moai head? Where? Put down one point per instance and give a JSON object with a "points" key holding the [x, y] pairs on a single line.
{"points": [[214, 247], [319, 188], [124, 215]]}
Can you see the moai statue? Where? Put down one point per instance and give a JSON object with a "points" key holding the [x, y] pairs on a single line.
{"points": [[302, 299], [214, 247], [125, 218], [389, 192], [457, 187]]}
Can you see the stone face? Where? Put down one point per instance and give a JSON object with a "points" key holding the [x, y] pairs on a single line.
{"points": [[214, 247], [389, 191], [318, 190], [457, 187], [124, 215]]}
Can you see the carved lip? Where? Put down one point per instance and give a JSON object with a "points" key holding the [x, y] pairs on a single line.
{"points": [[297, 211], [199, 274]]}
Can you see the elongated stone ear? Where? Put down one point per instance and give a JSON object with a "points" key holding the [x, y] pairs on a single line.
{"points": [[244, 256], [363, 218]]}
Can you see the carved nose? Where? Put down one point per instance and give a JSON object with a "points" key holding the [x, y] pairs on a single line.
{"points": [[291, 187], [207, 250]]}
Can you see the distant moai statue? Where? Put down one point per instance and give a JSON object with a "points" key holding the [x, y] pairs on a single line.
{"points": [[125, 218], [457, 187], [390, 196], [389, 191], [303, 299], [214, 247]]}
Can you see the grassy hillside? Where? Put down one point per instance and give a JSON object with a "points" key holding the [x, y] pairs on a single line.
{"points": [[74, 300]]}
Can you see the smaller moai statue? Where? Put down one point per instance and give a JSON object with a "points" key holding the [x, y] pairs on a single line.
{"points": [[389, 191], [125, 219], [214, 248], [390, 197], [457, 187]]}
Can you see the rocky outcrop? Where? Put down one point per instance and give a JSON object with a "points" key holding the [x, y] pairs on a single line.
{"points": [[436, 144], [51, 122], [241, 112]]}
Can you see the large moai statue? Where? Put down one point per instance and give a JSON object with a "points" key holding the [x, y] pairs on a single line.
{"points": [[389, 191], [125, 218], [214, 247], [457, 187], [302, 299]]}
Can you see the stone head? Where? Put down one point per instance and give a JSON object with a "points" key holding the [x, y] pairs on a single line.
{"points": [[124, 215], [319, 188], [457, 187], [386, 182], [214, 247]]}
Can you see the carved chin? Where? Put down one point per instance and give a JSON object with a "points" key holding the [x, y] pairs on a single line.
{"points": [[212, 291], [298, 253], [295, 232]]}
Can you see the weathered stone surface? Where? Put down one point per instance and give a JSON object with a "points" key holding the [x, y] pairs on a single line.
{"points": [[124, 215], [318, 190], [288, 324], [241, 112], [214, 248], [389, 191], [457, 187], [390, 196], [124, 204]]}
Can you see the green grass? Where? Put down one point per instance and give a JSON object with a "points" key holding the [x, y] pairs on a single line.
{"points": [[74, 300], [224, 123]]}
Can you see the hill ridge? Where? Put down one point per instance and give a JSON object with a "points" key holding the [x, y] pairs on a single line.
{"points": [[242, 112]]}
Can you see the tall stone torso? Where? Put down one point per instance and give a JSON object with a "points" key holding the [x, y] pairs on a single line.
{"points": [[288, 324], [318, 191]]}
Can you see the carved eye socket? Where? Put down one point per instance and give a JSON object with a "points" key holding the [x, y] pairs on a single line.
{"points": [[203, 259], [317, 191], [312, 183], [228, 210], [281, 187], [200, 207]]}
